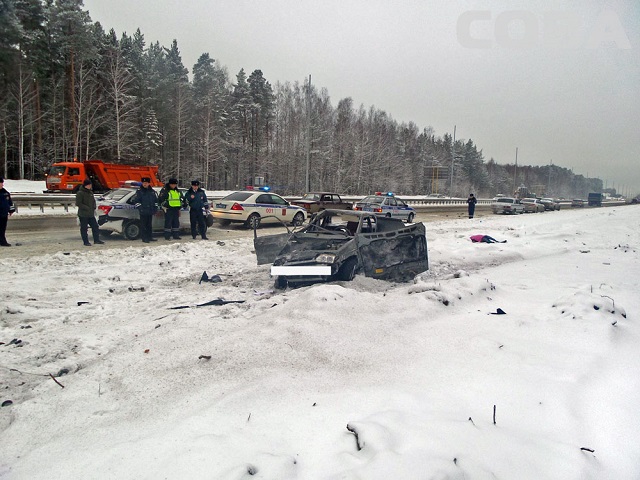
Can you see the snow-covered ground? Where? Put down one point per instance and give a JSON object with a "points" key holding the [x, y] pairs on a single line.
{"points": [[434, 384]]}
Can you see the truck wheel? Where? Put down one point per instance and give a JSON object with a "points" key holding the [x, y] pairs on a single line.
{"points": [[298, 219], [253, 221], [131, 230], [348, 269], [410, 218]]}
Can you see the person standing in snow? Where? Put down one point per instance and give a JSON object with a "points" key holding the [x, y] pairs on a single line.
{"points": [[171, 201], [197, 200], [146, 200], [86, 203], [484, 239], [471, 202], [6, 210]]}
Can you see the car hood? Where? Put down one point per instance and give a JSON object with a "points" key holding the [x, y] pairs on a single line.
{"points": [[296, 247]]}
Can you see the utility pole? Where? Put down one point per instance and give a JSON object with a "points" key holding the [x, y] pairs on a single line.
{"points": [[453, 159], [307, 185], [515, 172], [549, 181]]}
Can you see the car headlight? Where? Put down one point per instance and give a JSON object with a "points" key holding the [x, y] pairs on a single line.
{"points": [[327, 258]]}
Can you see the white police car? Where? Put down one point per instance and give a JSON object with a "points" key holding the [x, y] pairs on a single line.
{"points": [[386, 205], [117, 213], [253, 207]]}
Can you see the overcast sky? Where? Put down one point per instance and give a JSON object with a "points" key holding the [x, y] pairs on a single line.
{"points": [[558, 80]]}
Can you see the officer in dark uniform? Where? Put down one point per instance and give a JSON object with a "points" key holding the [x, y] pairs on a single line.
{"points": [[197, 200], [6, 210], [146, 200]]}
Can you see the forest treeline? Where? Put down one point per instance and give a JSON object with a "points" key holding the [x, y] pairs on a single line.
{"points": [[69, 89]]}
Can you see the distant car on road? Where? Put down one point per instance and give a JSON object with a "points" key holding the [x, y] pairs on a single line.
{"points": [[550, 204], [532, 205], [386, 205], [314, 202], [253, 207], [507, 205], [577, 202]]}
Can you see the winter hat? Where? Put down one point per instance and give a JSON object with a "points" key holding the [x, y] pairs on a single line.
{"points": [[195, 182], [173, 180], [1, 179], [145, 179], [86, 182]]}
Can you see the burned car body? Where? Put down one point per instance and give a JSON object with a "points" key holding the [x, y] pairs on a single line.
{"points": [[336, 244]]}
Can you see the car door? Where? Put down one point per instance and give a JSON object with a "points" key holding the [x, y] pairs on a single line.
{"points": [[392, 251]]}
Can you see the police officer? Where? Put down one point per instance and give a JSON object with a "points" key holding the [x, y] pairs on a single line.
{"points": [[197, 200], [6, 210], [171, 200], [146, 200]]}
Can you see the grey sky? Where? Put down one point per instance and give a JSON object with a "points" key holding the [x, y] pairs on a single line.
{"points": [[558, 79]]}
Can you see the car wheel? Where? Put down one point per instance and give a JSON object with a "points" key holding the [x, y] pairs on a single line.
{"points": [[348, 269], [280, 283], [388, 215], [224, 222], [131, 230], [253, 221], [298, 219]]}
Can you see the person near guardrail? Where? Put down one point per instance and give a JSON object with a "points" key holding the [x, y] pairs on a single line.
{"points": [[471, 202], [171, 201], [86, 203], [146, 201], [197, 200], [6, 210]]}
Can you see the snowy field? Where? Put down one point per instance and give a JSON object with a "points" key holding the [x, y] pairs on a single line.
{"points": [[102, 379]]}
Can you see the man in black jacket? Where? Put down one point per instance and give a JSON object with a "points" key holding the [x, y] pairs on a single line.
{"points": [[197, 200], [146, 200], [6, 210], [86, 203]]}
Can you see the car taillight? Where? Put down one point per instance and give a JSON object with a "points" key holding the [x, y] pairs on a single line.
{"points": [[357, 208], [378, 210], [105, 209], [237, 207]]}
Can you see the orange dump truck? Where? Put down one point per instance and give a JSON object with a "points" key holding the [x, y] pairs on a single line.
{"points": [[68, 176]]}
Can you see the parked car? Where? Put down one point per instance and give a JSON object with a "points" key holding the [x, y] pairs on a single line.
{"points": [[532, 205], [314, 202], [386, 205], [253, 207], [577, 202], [117, 214], [336, 244], [507, 205], [550, 204]]}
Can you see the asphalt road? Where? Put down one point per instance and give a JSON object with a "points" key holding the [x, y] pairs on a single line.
{"points": [[38, 235]]}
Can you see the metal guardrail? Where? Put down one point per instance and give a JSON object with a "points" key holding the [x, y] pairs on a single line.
{"points": [[43, 200], [54, 200]]}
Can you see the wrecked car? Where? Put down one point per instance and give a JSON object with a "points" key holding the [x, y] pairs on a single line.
{"points": [[337, 244]]}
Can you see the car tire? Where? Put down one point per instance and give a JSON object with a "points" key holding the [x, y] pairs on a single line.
{"points": [[253, 221], [298, 219], [280, 283], [131, 230], [410, 218], [348, 270], [224, 222]]}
